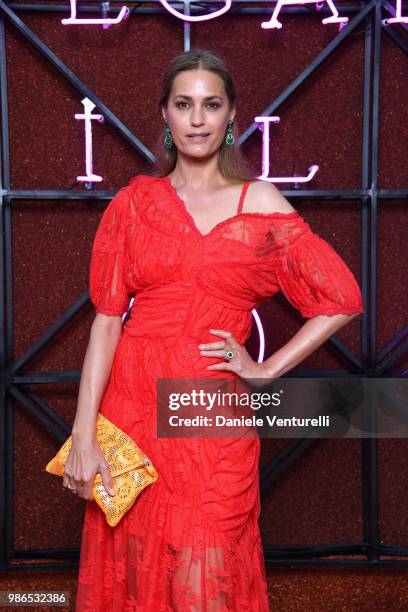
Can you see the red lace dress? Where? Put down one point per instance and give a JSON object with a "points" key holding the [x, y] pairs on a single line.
{"points": [[191, 541]]}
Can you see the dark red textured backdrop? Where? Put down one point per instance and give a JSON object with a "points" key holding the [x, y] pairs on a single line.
{"points": [[319, 500]]}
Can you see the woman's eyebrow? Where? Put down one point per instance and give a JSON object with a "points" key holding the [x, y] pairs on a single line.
{"points": [[206, 98]]}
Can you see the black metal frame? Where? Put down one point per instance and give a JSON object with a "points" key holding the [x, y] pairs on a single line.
{"points": [[371, 363]]}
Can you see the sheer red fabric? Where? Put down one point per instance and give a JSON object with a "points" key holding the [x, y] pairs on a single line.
{"points": [[191, 541]]}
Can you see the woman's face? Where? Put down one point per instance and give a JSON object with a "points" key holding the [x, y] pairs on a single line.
{"points": [[198, 104]]}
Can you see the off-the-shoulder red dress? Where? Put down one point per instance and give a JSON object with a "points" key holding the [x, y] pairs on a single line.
{"points": [[191, 541]]}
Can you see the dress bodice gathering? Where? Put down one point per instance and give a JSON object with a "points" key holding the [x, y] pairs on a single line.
{"points": [[185, 282]]}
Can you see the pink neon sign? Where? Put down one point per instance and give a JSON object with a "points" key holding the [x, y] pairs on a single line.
{"points": [[261, 333], [264, 127], [275, 23], [272, 23], [87, 117], [398, 17], [264, 121], [123, 14], [222, 10]]}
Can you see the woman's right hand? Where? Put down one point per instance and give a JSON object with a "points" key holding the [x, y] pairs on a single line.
{"points": [[84, 461]]}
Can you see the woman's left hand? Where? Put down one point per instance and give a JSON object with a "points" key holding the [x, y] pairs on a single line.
{"points": [[241, 363]]}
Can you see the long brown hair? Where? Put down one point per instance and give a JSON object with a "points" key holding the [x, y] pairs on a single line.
{"points": [[232, 164]]}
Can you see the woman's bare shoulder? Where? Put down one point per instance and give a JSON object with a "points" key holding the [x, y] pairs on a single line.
{"points": [[264, 197]]}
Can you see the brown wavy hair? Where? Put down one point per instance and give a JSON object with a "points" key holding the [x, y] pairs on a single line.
{"points": [[231, 162]]}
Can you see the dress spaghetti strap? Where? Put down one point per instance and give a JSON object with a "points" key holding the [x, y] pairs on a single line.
{"points": [[241, 199]]}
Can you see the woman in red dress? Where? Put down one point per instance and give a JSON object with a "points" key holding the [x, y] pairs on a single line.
{"points": [[199, 244]]}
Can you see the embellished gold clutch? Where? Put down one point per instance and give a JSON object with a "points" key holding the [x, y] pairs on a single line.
{"points": [[131, 469]]}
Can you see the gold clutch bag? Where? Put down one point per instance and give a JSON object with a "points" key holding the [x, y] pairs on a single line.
{"points": [[131, 469]]}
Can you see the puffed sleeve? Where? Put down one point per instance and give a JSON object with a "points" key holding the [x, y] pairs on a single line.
{"points": [[312, 275], [109, 258]]}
